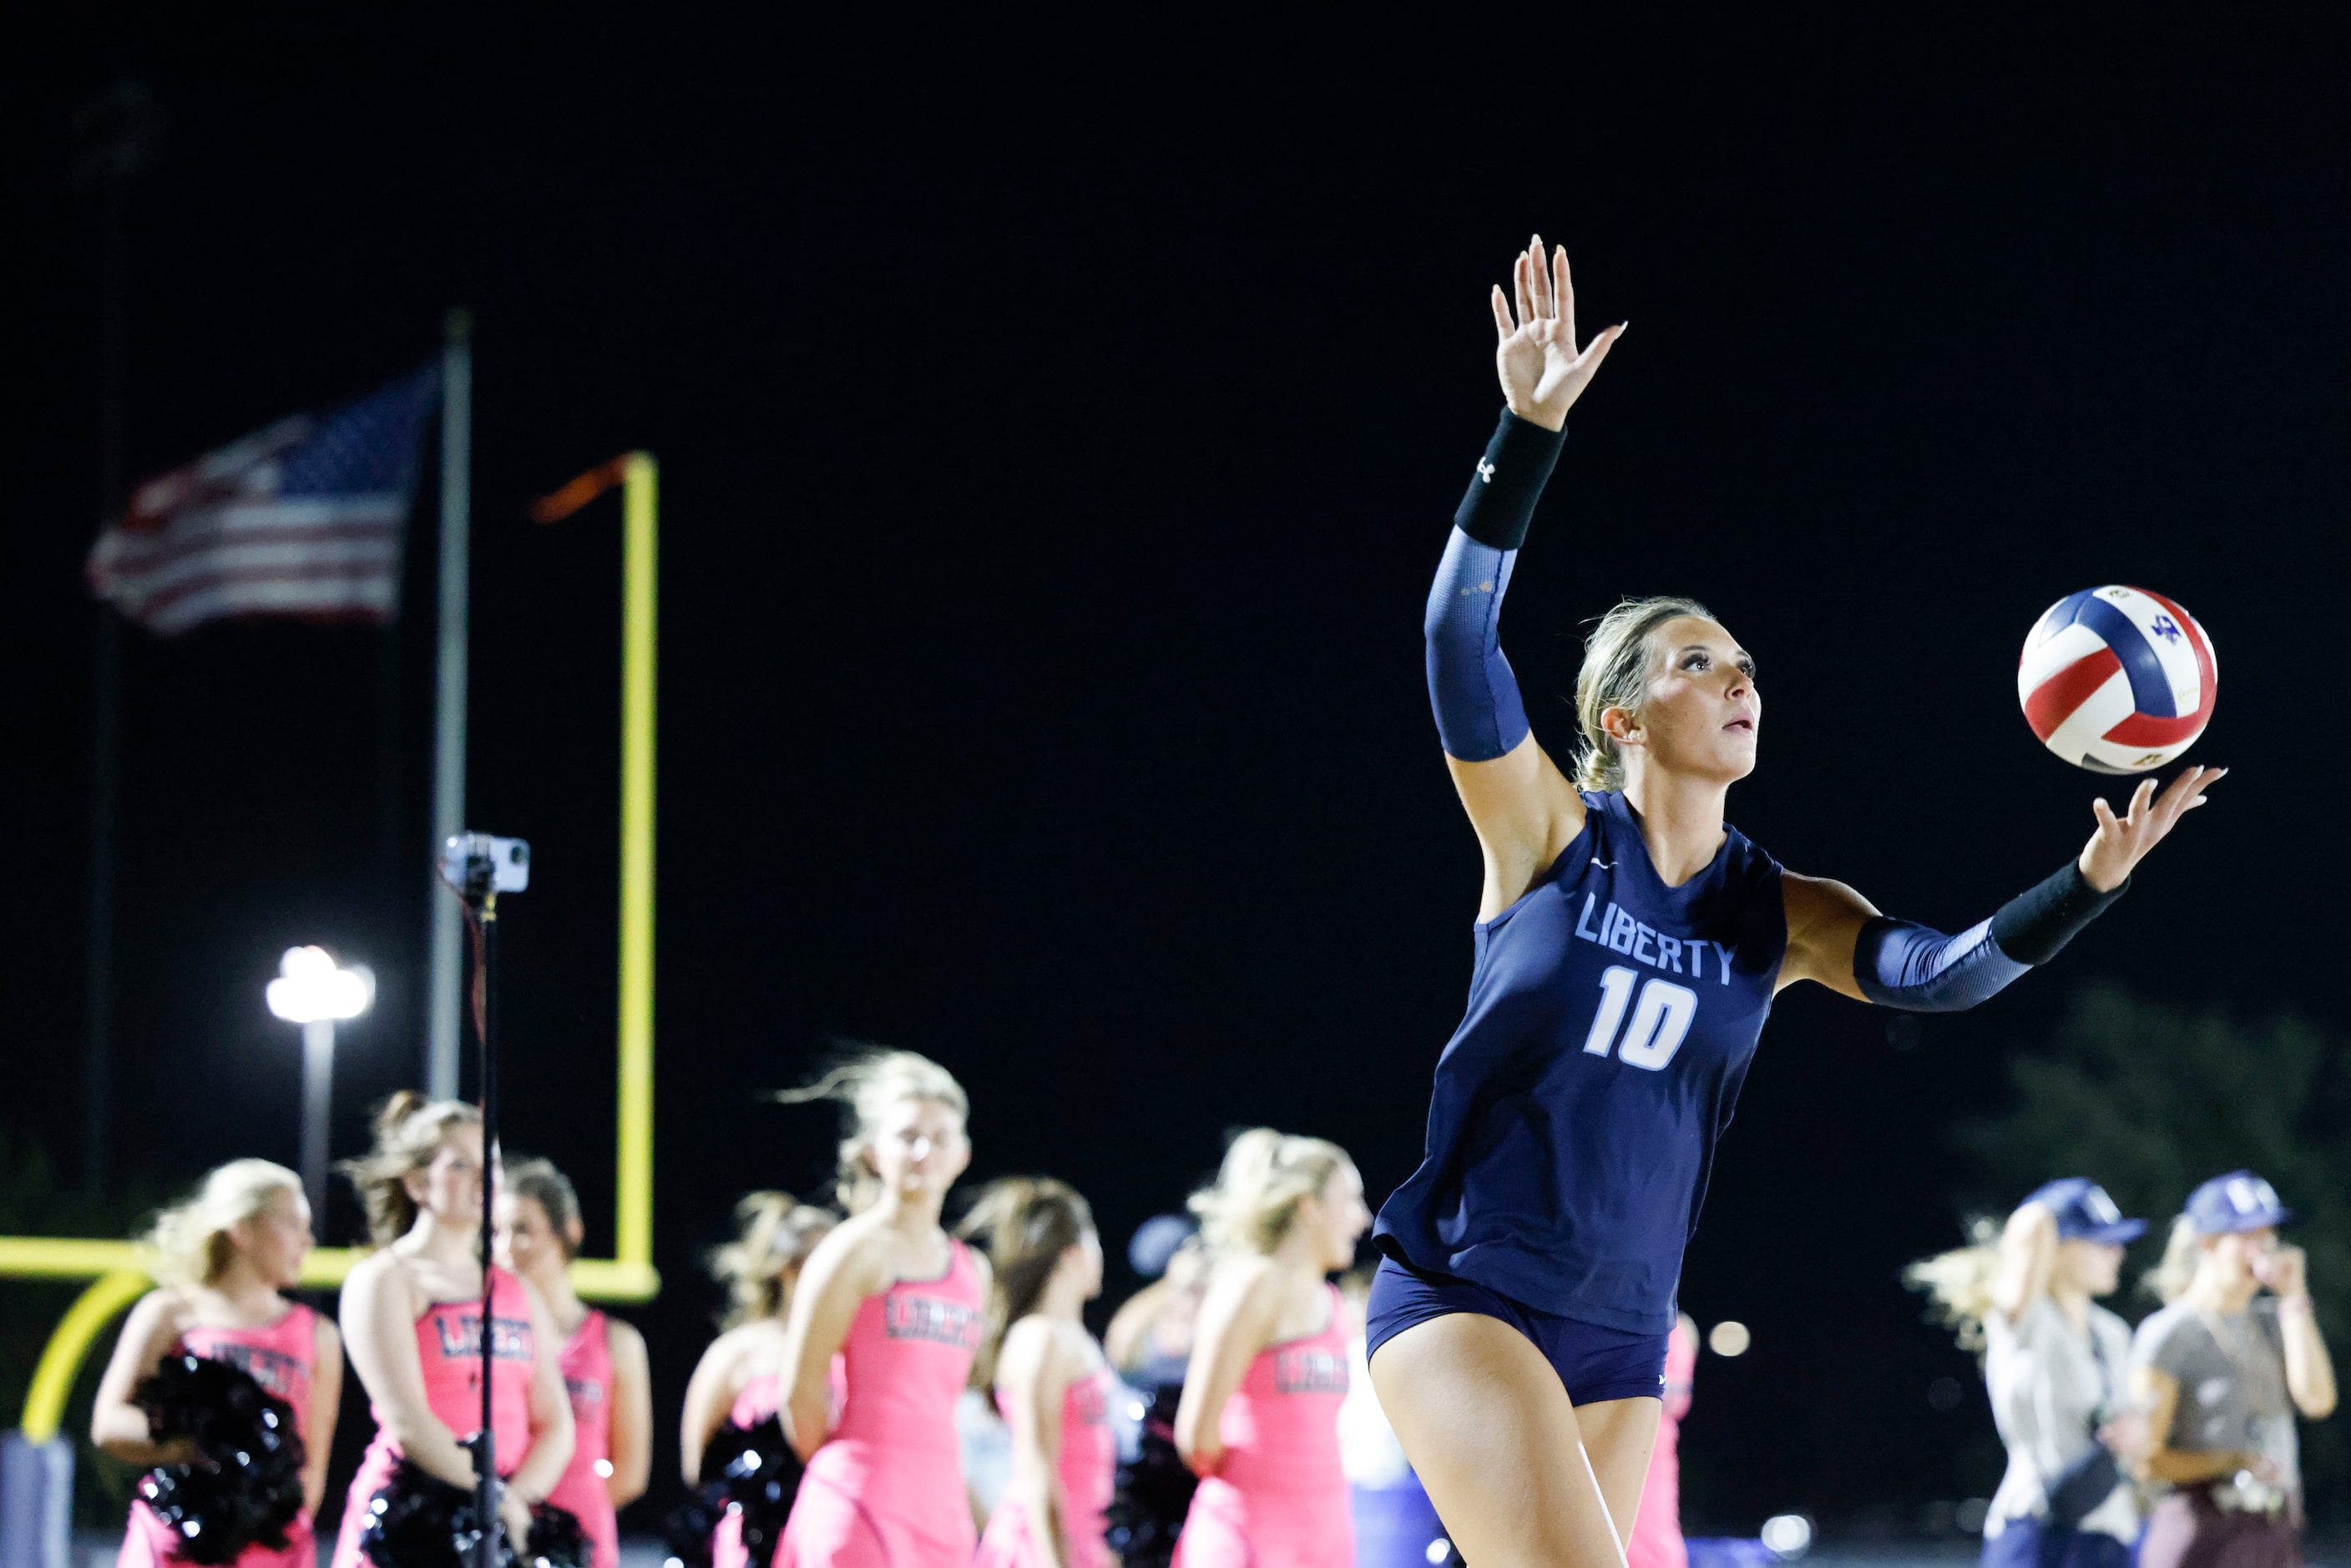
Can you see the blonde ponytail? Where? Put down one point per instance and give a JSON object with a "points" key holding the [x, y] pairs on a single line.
{"points": [[1616, 674], [2183, 1251], [773, 1237], [190, 1240], [1255, 1197], [1958, 1284]]}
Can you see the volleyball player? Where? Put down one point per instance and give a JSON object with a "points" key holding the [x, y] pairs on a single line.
{"points": [[2220, 1372], [2054, 1362], [602, 1360], [901, 1303], [1628, 946], [1050, 1377], [412, 1313], [226, 1258], [1260, 1419]]}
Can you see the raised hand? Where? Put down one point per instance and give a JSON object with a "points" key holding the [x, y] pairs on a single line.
{"points": [[1542, 370], [2284, 1269], [2121, 842]]}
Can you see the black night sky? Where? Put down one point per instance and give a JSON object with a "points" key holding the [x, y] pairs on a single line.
{"points": [[1057, 432]]}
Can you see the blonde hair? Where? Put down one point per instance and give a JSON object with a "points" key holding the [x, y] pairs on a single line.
{"points": [[2183, 1250], [1958, 1283], [773, 1237], [409, 1131], [1255, 1197], [1026, 1224], [866, 1086], [1616, 674], [192, 1241]]}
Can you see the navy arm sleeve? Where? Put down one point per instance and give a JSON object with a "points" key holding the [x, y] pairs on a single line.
{"points": [[1898, 964], [1479, 714]]}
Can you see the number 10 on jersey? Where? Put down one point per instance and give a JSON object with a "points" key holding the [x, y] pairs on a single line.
{"points": [[1660, 1021]]}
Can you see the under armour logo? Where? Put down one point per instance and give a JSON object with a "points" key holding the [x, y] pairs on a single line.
{"points": [[1485, 472], [2165, 628]]}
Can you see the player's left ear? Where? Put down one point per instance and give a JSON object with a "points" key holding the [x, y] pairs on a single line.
{"points": [[574, 1233]]}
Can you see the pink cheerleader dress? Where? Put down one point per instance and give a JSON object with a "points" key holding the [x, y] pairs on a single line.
{"points": [[1280, 1498], [587, 1364], [449, 1346], [886, 1488], [1088, 1467], [280, 1357], [1657, 1539]]}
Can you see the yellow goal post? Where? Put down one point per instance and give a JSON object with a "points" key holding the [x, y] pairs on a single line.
{"points": [[118, 1269]]}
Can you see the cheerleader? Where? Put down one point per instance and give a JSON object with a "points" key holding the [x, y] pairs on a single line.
{"points": [[412, 1312], [1149, 1341], [900, 1303], [227, 1257], [1628, 946], [1050, 1377], [1657, 1539], [2220, 1372], [602, 1360], [1260, 1419], [739, 1380]]}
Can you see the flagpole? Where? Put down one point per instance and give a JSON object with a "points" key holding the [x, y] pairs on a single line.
{"points": [[446, 937], [106, 723], [121, 130]]}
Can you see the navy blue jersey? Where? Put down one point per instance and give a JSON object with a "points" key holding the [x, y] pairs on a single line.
{"points": [[1572, 1128]]}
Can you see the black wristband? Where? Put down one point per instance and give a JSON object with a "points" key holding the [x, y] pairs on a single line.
{"points": [[1508, 481], [2034, 925]]}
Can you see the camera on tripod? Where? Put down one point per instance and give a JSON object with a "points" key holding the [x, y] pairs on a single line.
{"points": [[477, 864]]}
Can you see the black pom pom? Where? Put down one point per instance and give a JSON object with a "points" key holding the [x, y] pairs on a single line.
{"points": [[556, 1539], [419, 1521], [690, 1525], [247, 1490], [756, 1475], [1154, 1492]]}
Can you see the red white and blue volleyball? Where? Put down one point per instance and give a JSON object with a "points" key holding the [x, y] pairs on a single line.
{"points": [[2117, 680]]}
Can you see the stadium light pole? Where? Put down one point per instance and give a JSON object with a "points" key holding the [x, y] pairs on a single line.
{"points": [[313, 991]]}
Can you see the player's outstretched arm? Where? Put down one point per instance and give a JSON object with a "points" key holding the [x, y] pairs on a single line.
{"points": [[1837, 937], [1524, 809]]}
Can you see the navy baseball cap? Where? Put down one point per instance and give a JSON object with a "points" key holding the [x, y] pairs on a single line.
{"points": [[2238, 1201], [1156, 1241], [2084, 1212]]}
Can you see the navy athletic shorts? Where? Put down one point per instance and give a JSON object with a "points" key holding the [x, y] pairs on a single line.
{"points": [[1594, 1362]]}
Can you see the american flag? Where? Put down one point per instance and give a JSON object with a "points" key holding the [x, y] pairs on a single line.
{"points": [[303, 518]]}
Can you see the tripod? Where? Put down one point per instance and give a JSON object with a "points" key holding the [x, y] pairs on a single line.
{"points": [[474, 877]]}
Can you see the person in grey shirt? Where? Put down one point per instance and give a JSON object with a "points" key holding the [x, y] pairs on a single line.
{"points": [[2054, 1364], [2220, 1374]]}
